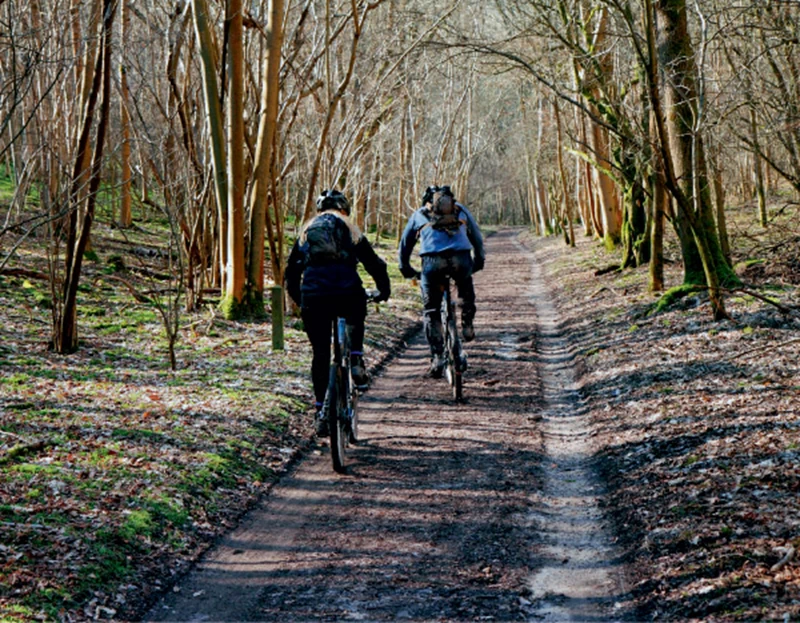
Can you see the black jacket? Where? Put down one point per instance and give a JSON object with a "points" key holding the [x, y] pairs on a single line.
{"points": [[340, 277]]}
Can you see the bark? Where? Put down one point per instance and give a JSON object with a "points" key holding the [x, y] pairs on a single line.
{"points": [[125, 217], [758, 169], [684, 168], [65, 339], [719, 202], [658, 202], [608, 200], [568, 225], [233, 301], [264, 165], [216, 127]]}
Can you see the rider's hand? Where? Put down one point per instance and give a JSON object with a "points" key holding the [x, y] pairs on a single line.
{"points": [[380, 297], [409, 273], [477, 264]]}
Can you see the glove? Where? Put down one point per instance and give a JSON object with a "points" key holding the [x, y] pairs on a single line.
{"points": [[409, 273], [477, 264], [382, 296]]}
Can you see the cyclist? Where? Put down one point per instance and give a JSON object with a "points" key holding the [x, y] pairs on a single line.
{"points": [[322, 278], [447, 232]]}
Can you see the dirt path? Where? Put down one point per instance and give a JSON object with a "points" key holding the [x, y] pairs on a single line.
{"points": [[483, 511]]}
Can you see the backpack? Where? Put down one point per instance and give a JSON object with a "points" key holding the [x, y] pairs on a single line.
{"points": [[443, 212], [328, 241]]}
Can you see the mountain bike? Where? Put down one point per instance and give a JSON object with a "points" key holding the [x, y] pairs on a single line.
{"points": [[341, 398], [455, 357]]}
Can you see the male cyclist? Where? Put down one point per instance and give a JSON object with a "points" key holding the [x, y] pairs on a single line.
{"points": [[447, 233], [322, 278]]}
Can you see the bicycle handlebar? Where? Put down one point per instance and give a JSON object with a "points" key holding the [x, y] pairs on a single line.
{"points": [[373, 295]]}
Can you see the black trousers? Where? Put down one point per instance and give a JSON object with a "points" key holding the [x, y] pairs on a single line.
{"points": [[318, 313], [436, 269]]}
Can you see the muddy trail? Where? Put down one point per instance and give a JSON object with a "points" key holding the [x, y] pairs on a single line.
{"points": [[487, 510]]}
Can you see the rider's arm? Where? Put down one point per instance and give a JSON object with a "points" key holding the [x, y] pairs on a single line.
{"points": [[475, 239], [294, 272], [407, 242], [375, 266]]}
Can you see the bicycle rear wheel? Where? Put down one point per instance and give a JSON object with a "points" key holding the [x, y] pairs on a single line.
{"points": [[338, 423], [455, 376], [352, 413], [453, 349]]}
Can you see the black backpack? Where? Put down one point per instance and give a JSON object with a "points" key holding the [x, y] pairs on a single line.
{"points": [[328, 241], [443, 211]]}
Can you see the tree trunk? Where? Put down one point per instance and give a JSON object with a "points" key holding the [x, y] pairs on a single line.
{"points": [[610, 212], [658, 211], [264, 175], [758, 169], [569, 229], [125, 217], [216, 127], [719, 201], [65, 339], [233, 302], [684, 161]]}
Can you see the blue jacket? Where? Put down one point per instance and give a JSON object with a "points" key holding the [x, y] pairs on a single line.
{"points": [[436, 241]]}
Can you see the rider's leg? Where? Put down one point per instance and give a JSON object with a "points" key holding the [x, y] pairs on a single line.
{"points": [[433, 278], [317, 322], [462, 275], [354, 310]]}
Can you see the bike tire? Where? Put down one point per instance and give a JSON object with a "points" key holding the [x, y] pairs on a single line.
{"points": [[338, 427], [454, 371], [458, 387], [353, 408]]}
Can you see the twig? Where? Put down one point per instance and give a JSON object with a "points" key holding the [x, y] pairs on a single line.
{"points": [[608, 269], [23, 272], [768, 347], [599, 290], [782, 308], [787, 558], [140, 298]]}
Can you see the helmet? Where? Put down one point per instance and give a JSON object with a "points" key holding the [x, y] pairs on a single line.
{"points": [[333, 200], [430, 191]]}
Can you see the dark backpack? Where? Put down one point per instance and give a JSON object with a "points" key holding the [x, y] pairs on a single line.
{"points": [[328, 241], [443, 212]]}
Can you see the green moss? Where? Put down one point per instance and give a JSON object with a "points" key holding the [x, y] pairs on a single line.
{"points": [[232, 309], [137, 523], [671, 296]]}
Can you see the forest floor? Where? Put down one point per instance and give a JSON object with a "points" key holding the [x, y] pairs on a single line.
{"points": [[118, 473]]}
